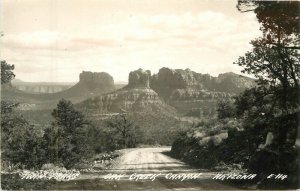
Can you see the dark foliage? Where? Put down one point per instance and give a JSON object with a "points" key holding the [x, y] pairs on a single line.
{"points": [[67, 140], [225, 109], [271, 108], [20, 142], [122, 132], [14, 182], [6, 72]]}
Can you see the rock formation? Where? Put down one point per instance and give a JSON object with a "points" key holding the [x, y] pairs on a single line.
{"points": [[194, 93], [189, 92], [233, 83], [95, 79], [139, 78], [134, 100], [168, 80], [136, 96], [90, 84]]}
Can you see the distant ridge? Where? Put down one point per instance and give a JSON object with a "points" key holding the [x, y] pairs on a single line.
{"points": [[90, 84], [169, 90]]}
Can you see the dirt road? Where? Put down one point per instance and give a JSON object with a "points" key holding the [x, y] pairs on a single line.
{"points": [[150, 160], [146, 168]]}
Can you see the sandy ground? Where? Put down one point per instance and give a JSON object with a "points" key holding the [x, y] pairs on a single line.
{"points": [[144, 161]]}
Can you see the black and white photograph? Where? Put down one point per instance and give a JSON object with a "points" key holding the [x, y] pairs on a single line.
{"points": [[150, 94]]}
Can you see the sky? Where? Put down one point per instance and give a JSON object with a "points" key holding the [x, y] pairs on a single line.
{"points": [[55, 40]]}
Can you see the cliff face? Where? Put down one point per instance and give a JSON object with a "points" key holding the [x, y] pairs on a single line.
{"points": [[196, 103], [135, 97], [139, 78], [233, 83], [96, 80], [90, 84], [168, 80], [134, 100], [194, 93]]}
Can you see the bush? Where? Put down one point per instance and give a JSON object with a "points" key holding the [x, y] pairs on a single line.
{"points": [[21, 143], [14, 182]]}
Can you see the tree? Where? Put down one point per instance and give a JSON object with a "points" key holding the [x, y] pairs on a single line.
{"points": [[245, 101], [274, 59], [225, 109], [20, 142], [272, 108], [7, 75], [67, 117], [98, 139], [277, 18], [67, 140], [123, 131], [6, 72], [277, 71]]}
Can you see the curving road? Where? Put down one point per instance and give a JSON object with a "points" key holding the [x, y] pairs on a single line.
{"points": [[135, 170]]}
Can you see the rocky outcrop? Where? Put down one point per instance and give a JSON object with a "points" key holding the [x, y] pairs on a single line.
{"points": [[139, 78], [95, 80], [90, 84], [194, 93], [233, 83], [125, 100], [196, 103], [101, 78], [168, 80]]}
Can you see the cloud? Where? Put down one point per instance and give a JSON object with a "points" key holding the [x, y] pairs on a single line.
{"points": [[48, 40], [206, 42]]}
